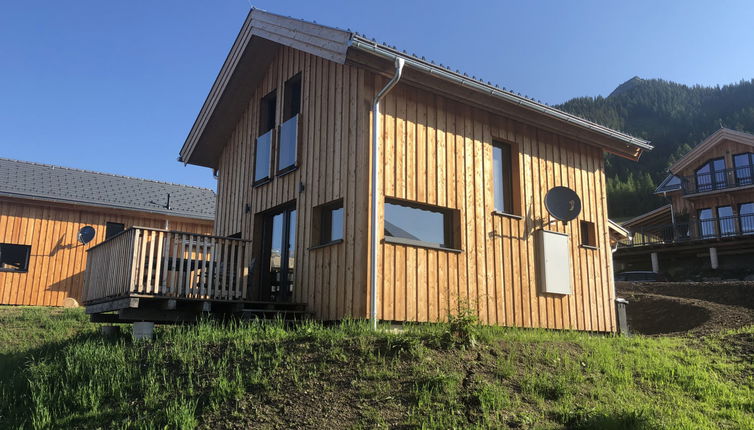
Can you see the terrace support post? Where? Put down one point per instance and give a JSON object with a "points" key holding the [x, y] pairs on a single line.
{"points": [[655, 262], [714, 263]]}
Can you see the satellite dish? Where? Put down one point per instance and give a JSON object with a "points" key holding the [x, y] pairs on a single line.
{"points": [[86, 234], [563, 203]]}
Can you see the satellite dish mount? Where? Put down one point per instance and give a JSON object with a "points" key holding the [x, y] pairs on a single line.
{"points": [[86, 234], [563, 204]]}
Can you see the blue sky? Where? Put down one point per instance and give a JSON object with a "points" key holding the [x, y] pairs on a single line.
{"points": [[114, 86]]}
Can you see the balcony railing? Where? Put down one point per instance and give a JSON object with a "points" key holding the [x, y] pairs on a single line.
{"points": [[740, 176], [711, 228], [159, 263]]}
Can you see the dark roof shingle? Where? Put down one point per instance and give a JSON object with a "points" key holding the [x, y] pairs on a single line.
{"points": [[63, 184]]}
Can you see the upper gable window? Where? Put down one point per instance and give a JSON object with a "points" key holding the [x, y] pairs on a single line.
{"points": [[744, 168], [289, 133], [263, 152], [711, 176]]}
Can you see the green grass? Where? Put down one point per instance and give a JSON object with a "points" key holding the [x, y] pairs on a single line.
{"points": [[56, 371]]}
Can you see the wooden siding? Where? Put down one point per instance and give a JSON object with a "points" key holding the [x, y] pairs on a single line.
{"points": [[439, 152], [436, 151], [333, 154], [57, 262], [691, 204]]}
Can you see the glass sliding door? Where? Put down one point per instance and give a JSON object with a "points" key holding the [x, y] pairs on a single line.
{"points": [[746, 217], [278, 255], [726, 222]]}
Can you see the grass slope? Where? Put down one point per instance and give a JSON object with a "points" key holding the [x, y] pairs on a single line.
{"points": [[57, 372]]}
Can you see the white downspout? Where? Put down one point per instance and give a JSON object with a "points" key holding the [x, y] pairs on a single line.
{"points": [[375, 181]]}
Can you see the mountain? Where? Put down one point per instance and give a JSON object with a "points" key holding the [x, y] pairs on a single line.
{"points": [[674, 117]]}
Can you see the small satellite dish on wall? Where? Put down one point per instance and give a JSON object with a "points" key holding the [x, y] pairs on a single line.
{"points": [[86, 234], [563, 203]]}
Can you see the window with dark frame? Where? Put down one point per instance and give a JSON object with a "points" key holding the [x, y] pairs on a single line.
{"points": [[588, 234], [502, 165], [711, 175], [14, 258], [288, 143], [113, 228], [330, 218], [263, 151], [418, 224], [743, 164]]}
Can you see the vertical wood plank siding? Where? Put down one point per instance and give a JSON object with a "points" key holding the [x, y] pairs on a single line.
{"points": [[439, 152], [58, 260], [332, 164], [435, 151]]}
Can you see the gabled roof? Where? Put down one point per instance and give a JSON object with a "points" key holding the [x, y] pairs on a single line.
{"points": [[657, 216], [709, 142], [671, 183], [617, 229], [263, 32], [23, 179]]}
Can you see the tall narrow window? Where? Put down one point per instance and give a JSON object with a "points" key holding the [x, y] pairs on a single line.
{"points": [[502, 165], [706, 223], [726, 222], [113, 228], [263, 153], [288, 146], [14, 258], [744, 167], [746, 217], [588, 235]]}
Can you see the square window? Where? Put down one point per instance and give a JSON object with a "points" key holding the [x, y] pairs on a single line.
{"points": [[417, 224], [113, 228], [588, 234], [14, 258], [330, 220]]}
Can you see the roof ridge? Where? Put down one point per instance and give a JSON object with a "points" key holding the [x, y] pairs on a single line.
{"points": [[105, 173]]}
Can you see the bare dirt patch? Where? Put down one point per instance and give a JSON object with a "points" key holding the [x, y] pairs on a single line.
{"points": [[688, 308]]}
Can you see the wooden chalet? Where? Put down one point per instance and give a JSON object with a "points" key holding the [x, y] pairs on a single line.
{"points": [[43, 208], [461, 168], [709, 223]]}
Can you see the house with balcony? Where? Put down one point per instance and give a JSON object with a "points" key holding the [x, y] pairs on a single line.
{"points": [[708, 224], [358, 181]]}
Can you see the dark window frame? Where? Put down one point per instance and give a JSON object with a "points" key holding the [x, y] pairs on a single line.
{"points": [[451, 226], [588, 234], [27, 258], [108, 224], [508, 174], [749, 168], [322, 233], [267, 126], [291, 111], [714, 183]]}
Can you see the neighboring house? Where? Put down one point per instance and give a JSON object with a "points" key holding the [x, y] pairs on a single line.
{"points": [[43, 208], [462, 171], [709, 223]]}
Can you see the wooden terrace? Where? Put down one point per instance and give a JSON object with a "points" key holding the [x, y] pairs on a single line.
{"points": [[148, 274]]}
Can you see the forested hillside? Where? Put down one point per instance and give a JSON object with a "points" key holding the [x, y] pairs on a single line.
{"points": [[673, 117]]}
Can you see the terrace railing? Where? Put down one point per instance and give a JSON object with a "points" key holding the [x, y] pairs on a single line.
{"points": [[710, 228], [159, 263], [740, 176]]}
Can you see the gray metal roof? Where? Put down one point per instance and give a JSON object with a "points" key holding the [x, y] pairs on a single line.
{"points": [[62, 184], [248, 59]]}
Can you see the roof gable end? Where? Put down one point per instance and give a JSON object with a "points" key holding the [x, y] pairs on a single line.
{"points": [[709, 143]]}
